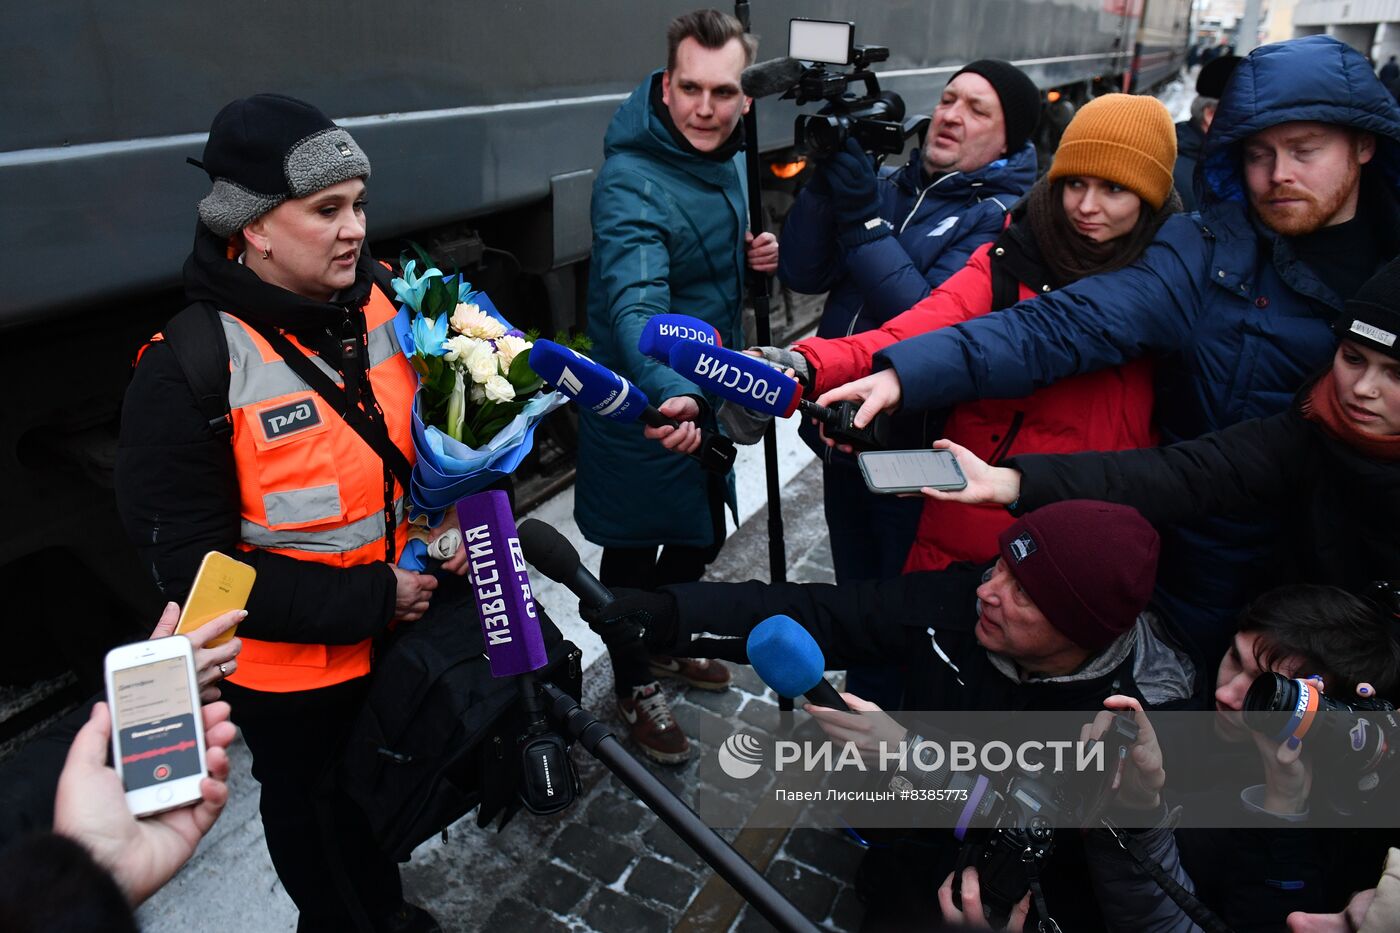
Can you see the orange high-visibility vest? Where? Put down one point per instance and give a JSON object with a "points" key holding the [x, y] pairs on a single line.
{"points": [[309, 487]]}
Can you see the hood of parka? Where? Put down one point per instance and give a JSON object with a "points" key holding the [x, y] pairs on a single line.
{"points": [[1314, 79]]}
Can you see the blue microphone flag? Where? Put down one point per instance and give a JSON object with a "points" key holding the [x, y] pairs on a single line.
{"points": [[736, 377], [663, 330], [592, 385]]}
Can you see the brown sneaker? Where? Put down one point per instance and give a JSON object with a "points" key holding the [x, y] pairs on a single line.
{"points": [[698, 672], [651, 725]]}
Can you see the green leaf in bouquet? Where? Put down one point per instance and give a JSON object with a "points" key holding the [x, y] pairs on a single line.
{"points": [[492, 428], [445, 378], [440, 298], [577, 342], [522, 378], [423, 256], [421, 365]]}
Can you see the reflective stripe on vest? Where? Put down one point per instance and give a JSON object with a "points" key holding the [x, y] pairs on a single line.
{"points": [[310, 488], [254, 379], [363, 533]]}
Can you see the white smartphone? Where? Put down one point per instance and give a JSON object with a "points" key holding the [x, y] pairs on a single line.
{"points": [[157, 724], [896, 471]]}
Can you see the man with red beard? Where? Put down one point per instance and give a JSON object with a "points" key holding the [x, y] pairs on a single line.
{"points": [[1298, 183]]}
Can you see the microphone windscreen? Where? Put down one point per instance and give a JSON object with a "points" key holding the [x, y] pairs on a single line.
{"points": [[663, 330], [736, 377], [505, 606], [552, 554], [771, 77], [785, 656], [591, 384]]}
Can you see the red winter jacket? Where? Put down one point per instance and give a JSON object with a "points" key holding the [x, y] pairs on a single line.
{"points": [[1106, 410]]}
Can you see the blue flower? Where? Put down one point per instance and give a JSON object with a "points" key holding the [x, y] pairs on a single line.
{"points": [[411, 288], [429, 335]]}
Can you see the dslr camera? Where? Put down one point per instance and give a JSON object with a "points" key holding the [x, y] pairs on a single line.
{"points": [[873, 118], [1355, 742]]}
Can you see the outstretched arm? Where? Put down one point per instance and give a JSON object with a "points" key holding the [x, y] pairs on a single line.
{"points": [[1095, 323]]}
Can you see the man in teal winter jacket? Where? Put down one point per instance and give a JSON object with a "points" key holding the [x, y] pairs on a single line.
{"points": [[670, 224]]}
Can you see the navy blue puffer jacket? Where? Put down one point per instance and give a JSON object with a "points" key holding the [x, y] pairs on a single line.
{"points": [[930, 232], [1238, 321]]}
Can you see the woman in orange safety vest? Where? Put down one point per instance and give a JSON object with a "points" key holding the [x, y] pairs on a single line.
{"points": [[288, 484]]}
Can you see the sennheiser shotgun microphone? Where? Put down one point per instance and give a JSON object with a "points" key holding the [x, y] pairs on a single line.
{"points": [[774, 76]]}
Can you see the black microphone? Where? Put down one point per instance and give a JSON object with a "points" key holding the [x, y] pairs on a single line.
{"points": [[771, 77], [553, 555]]}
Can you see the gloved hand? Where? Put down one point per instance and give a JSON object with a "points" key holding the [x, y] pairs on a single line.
{"points": [[855, 198], [742, 425], [644, 615], [784, 359]]}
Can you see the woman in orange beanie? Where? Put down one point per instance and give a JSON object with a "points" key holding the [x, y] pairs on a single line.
{"points": [[1106, 194]]}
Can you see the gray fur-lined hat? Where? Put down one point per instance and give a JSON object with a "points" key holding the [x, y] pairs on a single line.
{"points": [[267, 148]]}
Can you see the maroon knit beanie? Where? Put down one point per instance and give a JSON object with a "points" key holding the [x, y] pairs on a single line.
{"points": [[1088, 566]]}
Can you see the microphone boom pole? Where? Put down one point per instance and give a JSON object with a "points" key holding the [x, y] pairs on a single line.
{"points": [[598, 740], [758, 294]]}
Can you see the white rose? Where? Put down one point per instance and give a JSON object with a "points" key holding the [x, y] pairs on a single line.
{"points": [[483, 362], [499, 389], [509, 347], [459, 348], [469, 319]]}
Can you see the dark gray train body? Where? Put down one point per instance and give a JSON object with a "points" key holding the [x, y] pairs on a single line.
{"points": [[484, 123]]}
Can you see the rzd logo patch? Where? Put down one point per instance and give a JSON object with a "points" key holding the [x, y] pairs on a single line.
{"points": [[289, 419]]}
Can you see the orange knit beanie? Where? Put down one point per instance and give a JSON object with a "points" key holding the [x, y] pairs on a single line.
{"points": [[1128, 139]]}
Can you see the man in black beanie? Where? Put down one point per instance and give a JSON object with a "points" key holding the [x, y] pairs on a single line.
{"points": [[1191, 134], [880, 244]]}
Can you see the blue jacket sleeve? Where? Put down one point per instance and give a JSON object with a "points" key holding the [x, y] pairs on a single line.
{"points": [[888, 278], [1098, 322], [632, 260], [810, 261]]}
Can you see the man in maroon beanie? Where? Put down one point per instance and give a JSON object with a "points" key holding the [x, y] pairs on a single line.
{"points": [[1059, 622]]}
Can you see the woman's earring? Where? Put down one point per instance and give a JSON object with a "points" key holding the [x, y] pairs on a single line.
{"points": [[267, 252]]}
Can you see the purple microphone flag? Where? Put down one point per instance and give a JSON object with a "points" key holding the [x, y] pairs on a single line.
{"points": [[496, 570]]}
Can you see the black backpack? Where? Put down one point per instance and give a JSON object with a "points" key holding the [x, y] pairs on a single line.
{"points": [[437, 734]]}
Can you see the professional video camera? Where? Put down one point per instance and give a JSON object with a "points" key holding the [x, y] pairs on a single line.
{"points": [[874, 119], [1008, 833], [1355, 743]]}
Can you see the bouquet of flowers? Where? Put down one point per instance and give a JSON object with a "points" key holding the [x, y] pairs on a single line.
{"points": [[478, 401]]}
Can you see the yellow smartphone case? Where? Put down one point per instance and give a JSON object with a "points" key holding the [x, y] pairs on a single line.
{"points": [[222, 585]]}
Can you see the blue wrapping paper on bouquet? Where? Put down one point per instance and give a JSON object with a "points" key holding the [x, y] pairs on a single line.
{"points": [[448, 470]]}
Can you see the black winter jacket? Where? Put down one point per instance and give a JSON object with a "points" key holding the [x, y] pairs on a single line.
{"points": [[177, 490], [1340, 507], [924, 623]]}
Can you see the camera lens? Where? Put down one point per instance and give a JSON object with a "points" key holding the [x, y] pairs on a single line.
{"points": [[1273, 704], [824, 135]]}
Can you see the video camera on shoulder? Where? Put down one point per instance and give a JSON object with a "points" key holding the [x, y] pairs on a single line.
{"points": [[874, 119]]}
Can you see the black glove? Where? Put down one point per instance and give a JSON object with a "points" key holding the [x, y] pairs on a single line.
{"points": [[635, 615], [855, 198]]}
